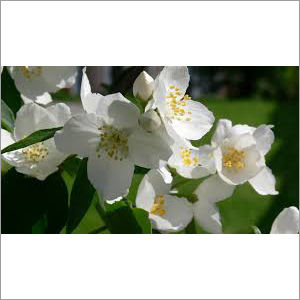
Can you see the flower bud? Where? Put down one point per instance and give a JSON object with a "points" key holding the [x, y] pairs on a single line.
{"points": [[150, 120], [143, 86]]}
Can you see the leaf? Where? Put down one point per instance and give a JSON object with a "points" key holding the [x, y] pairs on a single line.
{"points": [[7, 117], [9, 94], [120, 218], [81, 197], [35, 137], [25, 200]]}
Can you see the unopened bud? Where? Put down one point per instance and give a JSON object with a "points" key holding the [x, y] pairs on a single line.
{"points": [[143, 86], [150, 120]]}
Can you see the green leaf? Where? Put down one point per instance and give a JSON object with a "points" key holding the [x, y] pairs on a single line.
{"points": [[25, 200], [7, 117], [81, 197], [9, 94], [35, 137], [120, 218]]}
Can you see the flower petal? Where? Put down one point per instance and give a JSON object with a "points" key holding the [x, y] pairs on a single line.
{"points": [[152, 184], [287, 221], [59, 77], [264, 138], [111, 178], [264, 182], [43, 99], [186, 161], [147, 149], [30, 81], [90, 101], [178, 214], [61, 112], [175, 76], [32, 117], [207, 215], [222, 131], [6, 138], [119, 111], [214, 189], [80, 135], [254, 163], [196, 124]]}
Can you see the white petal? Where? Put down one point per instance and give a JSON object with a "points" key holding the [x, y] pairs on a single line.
{"points": [[207, 157], [43, 99], [195, 125], [175, 76], [147, 149], [111, 178], [154, 181], [241, 129], [119, 111], [150, 105], [207, 215], [32, 117], [222, 131], [287, 221], [254, 163], [186, 161], [90, 101], [264, 138], [178, 214], [61, 113], [264, 182], [59, 77], [6, 138], [214, 189], [32, 86], [164, 172], [80, 135]]}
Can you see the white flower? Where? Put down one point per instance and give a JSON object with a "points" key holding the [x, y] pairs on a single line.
{"points": [[167, 213], [286, 222], [189, 161], [35, 83], [143, 86], [206, 213], [109, 135], [238, 155], [41, 159], [187, 118]]}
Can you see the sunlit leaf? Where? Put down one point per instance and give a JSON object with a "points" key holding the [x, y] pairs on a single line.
{"points": [[121, 218], [81, 197], [36, 137], [7, 117]]}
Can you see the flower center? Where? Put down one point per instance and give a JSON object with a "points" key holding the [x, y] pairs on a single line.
{"points": [[177, 102], [36, 152], [30, 72], [234, 159], [113, 142], [188, 159], [158, 207]]}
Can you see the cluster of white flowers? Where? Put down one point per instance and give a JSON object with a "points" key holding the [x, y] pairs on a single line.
{"points": [[115, 136]]}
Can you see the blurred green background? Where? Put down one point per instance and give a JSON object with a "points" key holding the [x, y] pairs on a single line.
{"points": [[245, 95]]}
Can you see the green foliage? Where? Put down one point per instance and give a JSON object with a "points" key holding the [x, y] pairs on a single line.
{"points": [[35, 137], [121, 218], [81, 197], [9, 94], [31, 205], [7, 117]]}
